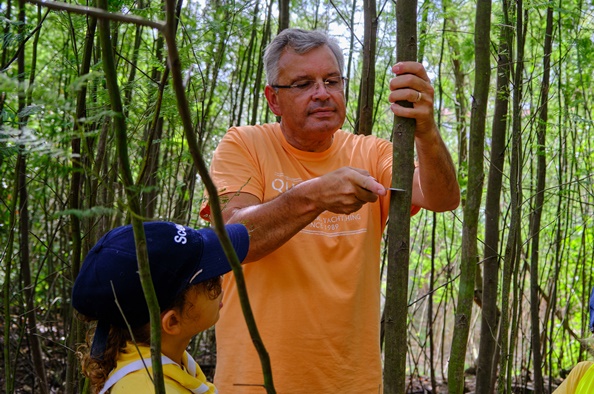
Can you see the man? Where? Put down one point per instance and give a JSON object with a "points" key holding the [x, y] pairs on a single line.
{"points": [[314, 200]]}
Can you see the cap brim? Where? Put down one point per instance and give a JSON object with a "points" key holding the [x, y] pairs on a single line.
{"points": [[214, 262]]}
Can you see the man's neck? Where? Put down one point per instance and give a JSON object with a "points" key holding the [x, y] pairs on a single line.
{"points": [[309, 144]]}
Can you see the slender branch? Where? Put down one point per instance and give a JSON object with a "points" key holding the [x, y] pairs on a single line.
{"points": [[98, 13], [3, 67], [219, 227]]}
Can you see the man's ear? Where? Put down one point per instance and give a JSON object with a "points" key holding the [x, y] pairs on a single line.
{"points": [[170, 322], [272, 98]]}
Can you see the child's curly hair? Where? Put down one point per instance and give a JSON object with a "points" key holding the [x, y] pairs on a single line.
{"points": [[98, 370]]}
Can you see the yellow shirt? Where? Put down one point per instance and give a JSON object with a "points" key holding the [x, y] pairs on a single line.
{"points": [[579, 381], [316, 299], [131, 375]]}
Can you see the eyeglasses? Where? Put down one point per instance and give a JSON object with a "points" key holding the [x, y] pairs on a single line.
{"points": [[332, 84]]}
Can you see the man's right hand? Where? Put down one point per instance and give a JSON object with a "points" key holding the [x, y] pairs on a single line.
{"points": [[346, 190]]}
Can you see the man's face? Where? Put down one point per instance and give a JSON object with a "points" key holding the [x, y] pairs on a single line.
{"points": [[309, 117]]}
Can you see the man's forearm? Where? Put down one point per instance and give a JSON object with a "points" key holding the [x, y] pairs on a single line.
{"points": [[437, 175], [274, 222]]}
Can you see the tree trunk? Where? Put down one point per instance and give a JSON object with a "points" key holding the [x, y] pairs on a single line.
{"points": [[364, 124], [351, 51], [260, 71], [396, 308], [469, 257], [461, 100], [6, 31], [490, 312], [133, 199], [248, 59], [423, 27], [511, 251], [283, 14], [75, 333], [25, 263], [538, 206]]}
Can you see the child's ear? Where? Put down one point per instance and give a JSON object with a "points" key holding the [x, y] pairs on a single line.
{"points": [[171, 322]]}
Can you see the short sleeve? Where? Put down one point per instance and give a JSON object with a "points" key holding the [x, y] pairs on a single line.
{"points": [[235, 167]]}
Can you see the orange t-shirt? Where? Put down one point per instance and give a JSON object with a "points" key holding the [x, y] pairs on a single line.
{"points": [[316, 299]]}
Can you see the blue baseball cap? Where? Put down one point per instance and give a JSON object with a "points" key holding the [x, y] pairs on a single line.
{"points": [[179, 256]]}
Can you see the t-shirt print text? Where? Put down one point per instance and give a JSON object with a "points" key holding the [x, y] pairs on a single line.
{"points": [[282, 183], [334, 225]]}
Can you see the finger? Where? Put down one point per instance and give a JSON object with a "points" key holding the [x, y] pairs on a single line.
{"points": [[371, 185], [420, 111], [410, 95], [413, 68], [407, 83]]}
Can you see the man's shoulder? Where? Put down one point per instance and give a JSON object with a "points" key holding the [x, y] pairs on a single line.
{"points": [[256, 137]]}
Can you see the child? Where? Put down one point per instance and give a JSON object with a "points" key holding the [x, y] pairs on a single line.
{"points": [[581, 378], [186, 267]]}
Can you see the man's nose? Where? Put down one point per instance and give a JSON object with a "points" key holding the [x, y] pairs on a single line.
{"points": [[320, 90]]}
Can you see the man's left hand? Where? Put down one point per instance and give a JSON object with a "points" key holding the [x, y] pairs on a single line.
{"points": [[412, 84]]}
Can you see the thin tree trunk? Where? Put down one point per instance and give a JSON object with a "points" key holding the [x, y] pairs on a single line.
{"points": [[75, 334], [364, 124], [491, 261], [538, 206], [351, 49], [423, 26], [132, 199], [28, 285], [474, 193], [184, 196], [461, 100], [260, 71], [283, 14], [25, 263], [6, 31], [129, 88], [150, 164], [511, 251], [561, 166], [248, 58], [9, 373], [430, 319], [396, 308], [154, 133], [204, 127]]}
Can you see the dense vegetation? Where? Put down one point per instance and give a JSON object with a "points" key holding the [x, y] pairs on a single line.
{"points": [[62, 184]]}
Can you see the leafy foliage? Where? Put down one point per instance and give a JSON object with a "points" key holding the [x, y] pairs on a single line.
{"points": [[221, 44]]}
